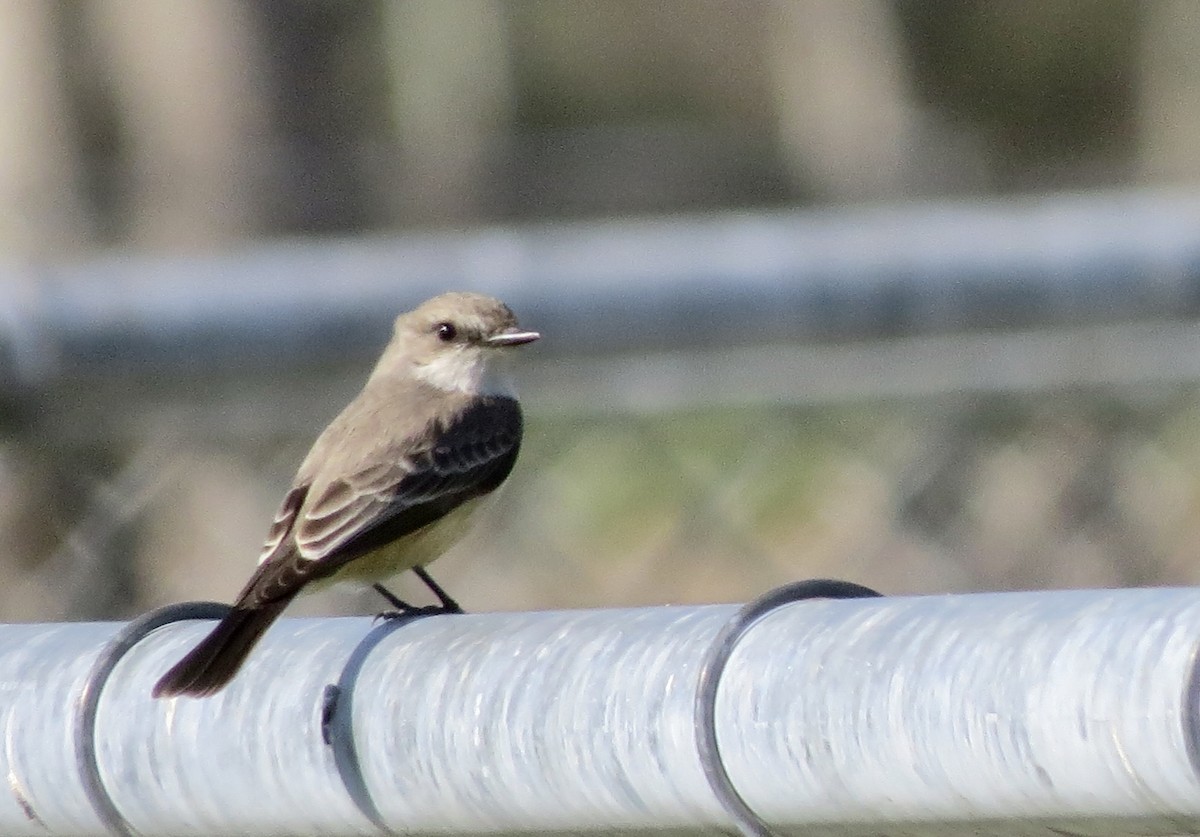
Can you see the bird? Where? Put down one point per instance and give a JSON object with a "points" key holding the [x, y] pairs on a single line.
{"points": [[390, 484]]}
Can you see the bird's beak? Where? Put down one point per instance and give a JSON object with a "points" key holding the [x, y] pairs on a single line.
{"points": [[511, 337]]}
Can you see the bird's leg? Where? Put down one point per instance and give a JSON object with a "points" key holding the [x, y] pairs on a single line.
{"points": [[402, 609], [394, 600], [448, 604]]}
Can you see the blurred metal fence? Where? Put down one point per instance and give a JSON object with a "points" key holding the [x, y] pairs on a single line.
{"points": [[746, 279], [921, 397]]}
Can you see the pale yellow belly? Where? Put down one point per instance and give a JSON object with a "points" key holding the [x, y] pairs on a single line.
{"points": [[414, 550]]}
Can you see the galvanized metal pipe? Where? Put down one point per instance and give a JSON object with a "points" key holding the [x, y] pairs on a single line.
{"points": [[676, 283], [1029, 713]]}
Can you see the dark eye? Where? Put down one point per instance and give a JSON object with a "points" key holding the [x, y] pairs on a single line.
{"points": [[445, 331]]}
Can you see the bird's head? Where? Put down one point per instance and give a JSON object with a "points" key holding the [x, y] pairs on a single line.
{"points": [[454, 342]]}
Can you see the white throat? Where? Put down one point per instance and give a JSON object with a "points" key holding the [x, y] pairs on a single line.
{"points": [[472, 372]]}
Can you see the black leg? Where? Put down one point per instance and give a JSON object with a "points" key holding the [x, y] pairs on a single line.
{"points": [[392, 599], [448, 604], [402, 609]]}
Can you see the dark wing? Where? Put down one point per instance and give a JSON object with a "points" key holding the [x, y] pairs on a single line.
{"points": [[314, 536], [279, 575]]}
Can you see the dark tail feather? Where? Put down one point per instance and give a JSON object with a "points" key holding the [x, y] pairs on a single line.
{"points": [[209, 666]]}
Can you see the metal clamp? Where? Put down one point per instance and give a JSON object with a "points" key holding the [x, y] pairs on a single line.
{"points": [[748, 822], [88, 702], [337, 717]]}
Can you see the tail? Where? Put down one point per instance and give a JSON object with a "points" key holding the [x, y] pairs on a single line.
{"points": [[209, 666]]}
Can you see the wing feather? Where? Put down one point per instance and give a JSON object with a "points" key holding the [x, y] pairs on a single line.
{"points": [[319, 529], [281, 526]]}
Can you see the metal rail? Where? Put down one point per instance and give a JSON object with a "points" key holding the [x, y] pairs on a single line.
{"points": [[740, 279], [1019, 713]]}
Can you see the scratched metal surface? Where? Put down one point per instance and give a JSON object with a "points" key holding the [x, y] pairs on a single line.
{"points": [[1007, 714]]}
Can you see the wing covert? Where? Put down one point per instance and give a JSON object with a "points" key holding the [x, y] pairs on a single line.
{"points": [[469, 458]]}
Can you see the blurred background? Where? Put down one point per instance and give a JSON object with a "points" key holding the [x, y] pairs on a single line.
{"points": [[906, 293]]}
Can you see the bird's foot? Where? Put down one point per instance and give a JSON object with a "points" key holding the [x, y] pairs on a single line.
{"points": [[403, 610], [413, 613]]}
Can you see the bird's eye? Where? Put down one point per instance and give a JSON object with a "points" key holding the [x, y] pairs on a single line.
{"points": [[445, 331]]}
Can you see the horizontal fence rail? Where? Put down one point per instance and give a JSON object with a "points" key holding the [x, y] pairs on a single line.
{"points": [[740, 278], [1017, 713]]}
